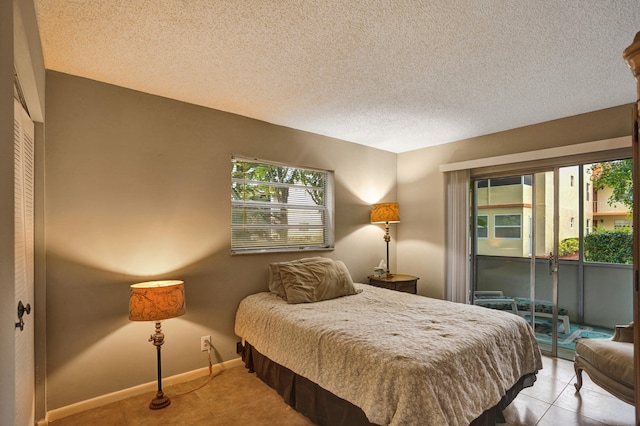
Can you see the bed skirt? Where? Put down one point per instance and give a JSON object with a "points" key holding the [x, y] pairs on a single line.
{"points": [[326, 409]]}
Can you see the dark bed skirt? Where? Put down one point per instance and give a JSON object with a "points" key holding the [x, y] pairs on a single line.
{"points": [[325, 409]]}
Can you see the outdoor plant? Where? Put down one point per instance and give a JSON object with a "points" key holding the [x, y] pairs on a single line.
{"points": [[610, 246], [568, 246]]}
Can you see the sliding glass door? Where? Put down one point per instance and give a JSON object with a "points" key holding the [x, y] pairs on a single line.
{"points": [[515, 267], [550, 246]]}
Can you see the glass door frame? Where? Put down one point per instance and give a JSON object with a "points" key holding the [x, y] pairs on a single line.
{"points": [[553, 261], [570, 272], [552, 258]]}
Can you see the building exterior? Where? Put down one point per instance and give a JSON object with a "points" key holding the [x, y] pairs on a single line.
{"points": [[504, 212]]}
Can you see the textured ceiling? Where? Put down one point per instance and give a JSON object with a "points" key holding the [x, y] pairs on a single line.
{"points": [[393, 74]]}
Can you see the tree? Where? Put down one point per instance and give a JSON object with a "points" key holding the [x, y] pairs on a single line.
{"points": [[616, 175]]}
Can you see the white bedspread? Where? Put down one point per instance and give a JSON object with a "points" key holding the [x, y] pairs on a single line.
{"points": [[403, 359]]}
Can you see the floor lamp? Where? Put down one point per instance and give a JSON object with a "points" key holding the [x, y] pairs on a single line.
{"points": [[386, 213], [156, 301]]}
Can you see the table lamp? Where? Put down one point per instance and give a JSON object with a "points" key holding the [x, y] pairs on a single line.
{"points": [[386, 213], [157, 301]]}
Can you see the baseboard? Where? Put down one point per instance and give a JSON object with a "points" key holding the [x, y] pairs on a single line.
{"points": [[99, 401]]}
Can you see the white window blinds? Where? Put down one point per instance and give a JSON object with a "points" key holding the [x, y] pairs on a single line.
{"points": [[278, 207]]}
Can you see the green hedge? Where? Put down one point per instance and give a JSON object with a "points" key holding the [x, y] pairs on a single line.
{"points": [[609, 246]]}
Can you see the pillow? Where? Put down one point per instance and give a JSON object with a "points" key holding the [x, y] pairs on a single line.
{"points": [[317, 280], [275, 282]]}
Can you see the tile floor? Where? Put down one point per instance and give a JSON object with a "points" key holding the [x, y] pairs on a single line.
{"points": [[234, 397], [553, 401]]}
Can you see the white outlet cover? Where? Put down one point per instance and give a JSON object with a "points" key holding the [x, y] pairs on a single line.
{"points": [[203, 343]]}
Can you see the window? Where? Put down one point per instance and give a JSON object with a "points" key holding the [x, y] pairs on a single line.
{"points": [[571, 222], [618, 224], [482, 226], [277, 207], [507, 226], [505, 181], [587, 191]]}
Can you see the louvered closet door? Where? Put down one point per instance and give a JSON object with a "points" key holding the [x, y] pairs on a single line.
{"points": [[24, 248]]}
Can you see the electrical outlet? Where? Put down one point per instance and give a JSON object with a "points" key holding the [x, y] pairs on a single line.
{"points": [[238, 347], [205, 342]]}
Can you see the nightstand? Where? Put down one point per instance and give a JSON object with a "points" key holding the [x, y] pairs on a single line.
{"points": [[397, 282]]}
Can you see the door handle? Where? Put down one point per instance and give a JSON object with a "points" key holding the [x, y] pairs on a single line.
{"points": [[553, 263], [21, 311]]}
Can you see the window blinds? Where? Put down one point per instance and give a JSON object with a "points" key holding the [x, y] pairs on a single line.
{"points": [[278, 207]]}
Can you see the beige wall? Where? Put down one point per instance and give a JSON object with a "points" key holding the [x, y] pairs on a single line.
{"points": [[138, 187], [421, 187]]}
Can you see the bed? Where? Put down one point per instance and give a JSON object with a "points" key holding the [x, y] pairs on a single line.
{"points": [[376, 356]]}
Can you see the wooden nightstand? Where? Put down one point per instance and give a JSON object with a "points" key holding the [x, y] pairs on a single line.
{"points": [[398, 282]]}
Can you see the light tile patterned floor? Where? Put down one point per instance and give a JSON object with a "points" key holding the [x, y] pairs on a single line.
{"points": [[553, 401], [235, 397]]}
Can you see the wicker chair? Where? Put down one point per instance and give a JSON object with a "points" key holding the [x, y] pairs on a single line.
{"points": [[609, 363]]}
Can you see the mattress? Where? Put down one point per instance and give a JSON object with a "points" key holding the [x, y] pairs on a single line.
{"points": [[403, 359]]}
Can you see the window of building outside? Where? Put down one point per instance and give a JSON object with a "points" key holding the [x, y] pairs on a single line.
{"points": [[279, 207], [618, 224], [504, 181], [507, 226], [587, 191], [483, 226]]}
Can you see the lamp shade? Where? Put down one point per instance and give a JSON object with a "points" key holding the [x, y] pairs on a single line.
{"points": [[385, 212], [156, 300]]}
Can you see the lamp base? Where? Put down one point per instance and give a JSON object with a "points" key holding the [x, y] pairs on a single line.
{"points": [[160, 401]]}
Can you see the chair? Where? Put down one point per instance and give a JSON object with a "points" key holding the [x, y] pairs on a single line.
{"points": [[609, 363], [495, 299]]}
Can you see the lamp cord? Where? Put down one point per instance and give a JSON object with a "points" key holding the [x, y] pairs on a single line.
{"points": [[211, 375]]}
